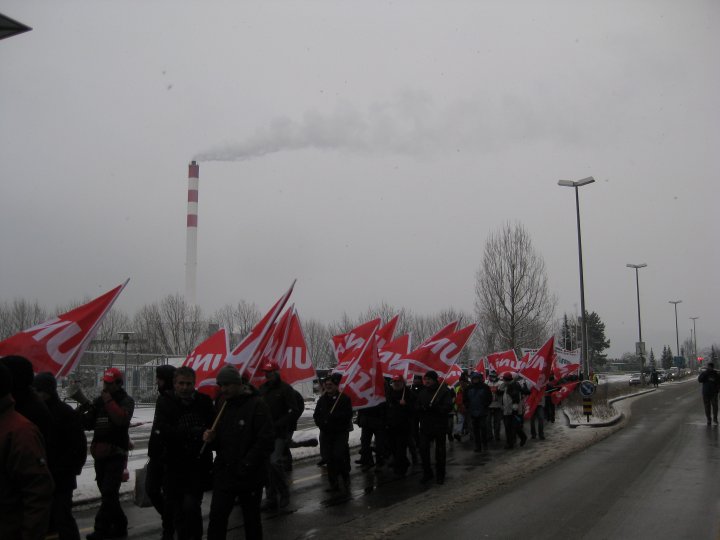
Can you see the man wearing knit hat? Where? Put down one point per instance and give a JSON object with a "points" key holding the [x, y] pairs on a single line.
{"points": [[26, 485], [243, 440], [434, 403]]}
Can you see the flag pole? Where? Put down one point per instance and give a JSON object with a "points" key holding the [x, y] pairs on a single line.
{"points": [[444, 379], [215, 423]]}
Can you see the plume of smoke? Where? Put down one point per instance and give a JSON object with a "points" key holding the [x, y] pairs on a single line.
{"points": [[410, 125], [406, 126]]}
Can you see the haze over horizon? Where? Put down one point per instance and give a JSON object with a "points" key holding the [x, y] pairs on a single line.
{"points": [[366, 150]]}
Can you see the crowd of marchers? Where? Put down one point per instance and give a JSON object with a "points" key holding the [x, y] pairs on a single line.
{"points": [[237, 445]]}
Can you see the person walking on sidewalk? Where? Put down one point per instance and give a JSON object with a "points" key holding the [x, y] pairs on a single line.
{"points": [[710, 380], [243, 440], [67, 454], [155, 479], [109, 418], [181, 417], [333, 415], [280, 399], [434, 403]]}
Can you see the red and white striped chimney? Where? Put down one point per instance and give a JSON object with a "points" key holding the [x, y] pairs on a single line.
{"points": [[192, 223]]}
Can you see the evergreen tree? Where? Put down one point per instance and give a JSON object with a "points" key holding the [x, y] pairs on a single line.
{"points": [[667, 359], [596, 339], [652, 359]]}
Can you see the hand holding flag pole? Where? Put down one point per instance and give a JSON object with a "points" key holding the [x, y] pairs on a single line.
{"points": [[209, 435]]}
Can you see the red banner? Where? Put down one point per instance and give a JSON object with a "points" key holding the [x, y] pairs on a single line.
{"points": [[247, 354], [296, 366], [57, 345], [438, 354], [566, 363], [207, 359], [363, 382], [347, 346], [504, 361], [393, 352], [565, 390]]}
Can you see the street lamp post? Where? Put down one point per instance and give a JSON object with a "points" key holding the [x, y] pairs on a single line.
{"points": [[126, 339], [640, 348], [583, 328], [677, 335], [694, 338]]}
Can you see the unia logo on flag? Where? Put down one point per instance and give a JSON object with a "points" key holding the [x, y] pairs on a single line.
{"points": [[57, 345]]}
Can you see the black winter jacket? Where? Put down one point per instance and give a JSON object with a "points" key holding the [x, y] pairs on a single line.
{"points": [[434, 412], [280, 397], [477, 398], [340, 420], [244, 440], [68, 452]]}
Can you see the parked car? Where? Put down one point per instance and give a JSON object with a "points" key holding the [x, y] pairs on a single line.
{"points": [[635, 378]]}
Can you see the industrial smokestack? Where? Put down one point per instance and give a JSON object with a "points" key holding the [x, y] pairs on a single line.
{"points": [[192, 222]]}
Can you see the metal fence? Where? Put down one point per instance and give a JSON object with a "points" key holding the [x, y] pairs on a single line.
{"points": [[139, 376]]}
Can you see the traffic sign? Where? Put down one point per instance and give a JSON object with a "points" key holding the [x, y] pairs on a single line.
{"points": [[587, 388]]}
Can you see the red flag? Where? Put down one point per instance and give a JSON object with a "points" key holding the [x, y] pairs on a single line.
{"points": [[394, 351], [347, 346], [482, 366], [247, 353], [274, 348], [439, 354], [296, 366], [207, 359], [537, 370], [57, 345], [443, 332], [504, 361], [537, 373], [565, 390], [385, 334], [363, 382], [453, 376]]}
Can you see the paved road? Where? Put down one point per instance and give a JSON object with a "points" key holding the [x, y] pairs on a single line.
{"points": [[656, 478]]}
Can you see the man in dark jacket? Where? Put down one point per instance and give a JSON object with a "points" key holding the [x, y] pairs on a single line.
{"points": [[243, 440], [434, 403], [155, 473], [181, 418], [477, 398], [400, 413], [280, 398], [26, 485], [109, 417], [710, 380], [333, 415], [66, 456]]}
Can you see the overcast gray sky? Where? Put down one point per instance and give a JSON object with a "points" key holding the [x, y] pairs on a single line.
{"points": [[365, 148]]}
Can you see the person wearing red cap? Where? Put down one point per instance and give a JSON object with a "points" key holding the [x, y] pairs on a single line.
{"points": [[109, 417], [280, 398]]}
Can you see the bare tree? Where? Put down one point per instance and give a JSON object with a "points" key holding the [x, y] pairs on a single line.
{"points": [[19, 315], [238, 320], [318, 339], [171, 326], [512, 300]]}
